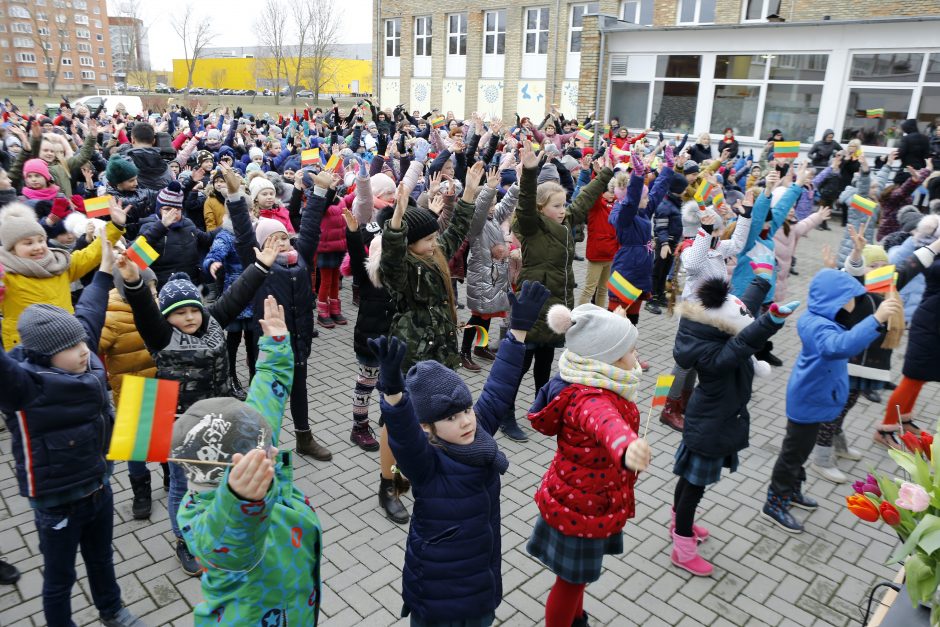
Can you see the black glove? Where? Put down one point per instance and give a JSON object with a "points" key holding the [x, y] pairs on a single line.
{"points": [[390, 352], [527, 306]]}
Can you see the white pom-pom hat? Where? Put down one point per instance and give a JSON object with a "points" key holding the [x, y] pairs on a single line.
{"points": [[593, 332]]}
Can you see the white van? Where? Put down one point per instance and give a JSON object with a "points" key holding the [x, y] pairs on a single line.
{"points": [[132, 104]]}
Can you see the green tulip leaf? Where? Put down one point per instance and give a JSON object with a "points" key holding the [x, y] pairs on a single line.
{"points": [[919, 577]]}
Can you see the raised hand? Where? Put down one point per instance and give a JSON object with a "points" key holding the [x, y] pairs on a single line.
{"points": [[780, 313], [128, 269], [171, 216], [273, 324], [214, 269], [117, 212], [639, 168], [526, 307], [527, 156], [492, 177], [351, 222], [390, 352], [472, 183], [233, 182], [268, 255], [251, 475]]}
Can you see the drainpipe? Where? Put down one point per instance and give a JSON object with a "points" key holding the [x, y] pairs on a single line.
{"points": [[560, 30], [380, 56], [600, 114]]}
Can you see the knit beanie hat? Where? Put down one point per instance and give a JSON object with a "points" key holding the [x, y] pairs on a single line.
{"points": [[37, 166], [872, 253], [257, 184], [213, 134], [714, 294], [421, 223], [266, 227], [178, 292], [47, 329], [507, 177], [382, 186], [548, 173], [120, 169], [17, 221], [253, 152], [690, 167], [436, 392], [213, 430], [908, 217], [677, 185], [593, 332], [204, 155], [252, 167], [170, 196]]}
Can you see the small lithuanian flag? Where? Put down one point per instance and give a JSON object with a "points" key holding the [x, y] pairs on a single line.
{"points": [[863, 204], [98, 206], [663, 383], [623, 289], [143, 428], [142, 253]]}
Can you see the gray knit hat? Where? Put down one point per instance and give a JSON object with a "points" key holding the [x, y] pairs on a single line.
{"points": [[908, 217], [548, 173], [47, 329], [436, 392], [213, 430], [593, 332], [18, 221]]}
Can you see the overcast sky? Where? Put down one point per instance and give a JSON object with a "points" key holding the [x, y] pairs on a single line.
{"points": [[233, 21]]}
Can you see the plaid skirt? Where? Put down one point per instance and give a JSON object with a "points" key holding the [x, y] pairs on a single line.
{"points": [[700, 470], [482, 621], [576, 560]]}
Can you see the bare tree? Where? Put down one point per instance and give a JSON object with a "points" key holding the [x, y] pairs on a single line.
{"points": [[317, 26], [196, 33], [51, 37], [130, 44], [272, 28], [217, 78]]}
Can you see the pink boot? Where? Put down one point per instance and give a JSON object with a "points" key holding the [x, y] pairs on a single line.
{"points": [[685, 555], [700, 533], [323, 315]]}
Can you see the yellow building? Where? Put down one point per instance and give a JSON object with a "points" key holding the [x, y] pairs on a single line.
{"points": [[341, 75]]}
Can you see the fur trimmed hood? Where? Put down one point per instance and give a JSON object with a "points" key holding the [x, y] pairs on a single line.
{"points": [[721, 320], [374, 259]]}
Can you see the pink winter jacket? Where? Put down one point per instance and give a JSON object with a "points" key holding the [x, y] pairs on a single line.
{"points": [[785, 247]]}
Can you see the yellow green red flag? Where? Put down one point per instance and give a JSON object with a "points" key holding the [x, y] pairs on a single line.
{"points": [[880, 279], [143, 427], [142, 253], [663, 383], [98, 206], [625, 291]]}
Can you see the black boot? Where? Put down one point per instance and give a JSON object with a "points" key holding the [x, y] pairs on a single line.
{"points": [[9, 575], [355, 295], [389, 501], [141, 504], [308, 445], [166, 477], [236, 390]]}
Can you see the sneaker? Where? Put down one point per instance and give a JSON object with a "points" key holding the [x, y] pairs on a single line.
{"points": [[484, 353], [189, 563], [9, 575], [653, 308], [466, 361], [829, 473], [363, 437], [123, 618], [777, 510], [872, 396], [803, 502], [644, 366], [512, 430]]}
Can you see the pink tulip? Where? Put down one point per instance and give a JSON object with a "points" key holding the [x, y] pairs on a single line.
{"points": [[912, 497]]}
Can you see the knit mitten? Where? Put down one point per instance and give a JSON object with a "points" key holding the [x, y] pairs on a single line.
{"points": [[780, 313]]}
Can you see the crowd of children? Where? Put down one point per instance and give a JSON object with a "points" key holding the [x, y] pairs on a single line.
{"points": [[257, 221]]}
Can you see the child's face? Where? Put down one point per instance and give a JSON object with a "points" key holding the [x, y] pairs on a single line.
{"points": [[629, 361], [258, 159], [219, 186], [87, 170], [34, 180], [690, 178], [47, 151], [73, 359], [424, 247], [175, 168], [33, 247], [458, 429], [165, 210], [281, 241], [130, 185], [265, 198], [554, 209], [275, 148], [207, 165], [66, 239], [186, 319]]}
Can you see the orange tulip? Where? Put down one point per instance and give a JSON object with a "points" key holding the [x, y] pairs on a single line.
{"points": [[859, 505]]}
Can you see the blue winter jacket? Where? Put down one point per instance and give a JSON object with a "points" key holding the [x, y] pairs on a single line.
{"points": [[763, 233], [60, 423], [634, 258], [453, 562], [819, 384], [224, 251], [912, 293]]}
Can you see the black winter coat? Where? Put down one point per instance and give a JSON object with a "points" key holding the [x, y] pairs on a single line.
{"points": [[152, 171], [923, 343], [289, 284], [699, 153], [717, 421], [732, 145], [914, 147], [181, 248], [375, 302], [821, 152], [667, 221]]}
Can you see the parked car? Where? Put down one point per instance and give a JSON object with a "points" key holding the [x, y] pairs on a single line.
{"points": [[250, 92], [197, 91], [305, 93], [132, 104], [162, 89], [212, 92], [267, 92]]}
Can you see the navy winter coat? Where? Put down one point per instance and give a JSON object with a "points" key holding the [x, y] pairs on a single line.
{"points": [[717, 421], [667, 221], [634, 259], [453, 558], [60, 422], [923, 343], [181, 248]]}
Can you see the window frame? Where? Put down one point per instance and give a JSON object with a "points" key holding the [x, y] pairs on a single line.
{"points": [[638, 11], [460, 35], [572, 29], [765, 11], [537, 31], [696, 13], [498, 34], [393, 38], [426, 37]]}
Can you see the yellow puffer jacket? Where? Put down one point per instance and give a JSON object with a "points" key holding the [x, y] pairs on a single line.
{"points": [[23, 291], [121, 348], [214, 212]]}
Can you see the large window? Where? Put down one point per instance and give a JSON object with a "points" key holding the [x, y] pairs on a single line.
{"points": [[928, 112], [740, 67], [494, 32], [792, 108], [629, 102], [758, 10], [536, 31], [637, 12], [735, 106], [674, 101], [457, 34], [393, 38], [423, 36], [577, 23], [696, 12], [875, 115], [900, 67]]}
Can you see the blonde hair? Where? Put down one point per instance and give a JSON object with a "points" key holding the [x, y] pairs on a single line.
{"points": [[545, 191], [621, 179], [704, 136]]}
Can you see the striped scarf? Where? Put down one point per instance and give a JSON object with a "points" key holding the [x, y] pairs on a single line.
{"points": [[597, 374]]}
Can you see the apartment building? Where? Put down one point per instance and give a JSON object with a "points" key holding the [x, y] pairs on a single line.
{"points": [[62, 40], [677, 65], [130, 46]]}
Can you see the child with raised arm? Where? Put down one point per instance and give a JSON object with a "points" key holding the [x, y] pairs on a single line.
{"points": [[256, 536]]}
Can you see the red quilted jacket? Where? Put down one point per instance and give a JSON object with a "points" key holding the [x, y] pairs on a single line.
{"points": [[333, 229], [602, 242], [587, 491]]}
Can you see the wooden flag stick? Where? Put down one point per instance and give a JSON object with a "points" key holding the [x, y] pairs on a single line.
{"points": [[865, 228], [198, 461], [646, 427]]}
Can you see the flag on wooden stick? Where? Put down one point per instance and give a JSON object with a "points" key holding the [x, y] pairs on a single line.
{"points": [[438, 122], [663, 383], [863, 204], [98, 206], [625, 291], [585, 135], [143, 428], [786, 150], [310, 156], [874, 113], [880, 279], [142, 253]]}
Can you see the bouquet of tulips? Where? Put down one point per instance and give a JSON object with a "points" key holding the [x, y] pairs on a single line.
{"points": [[912, 509]]}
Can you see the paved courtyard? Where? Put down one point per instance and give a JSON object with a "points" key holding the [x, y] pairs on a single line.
{"points": [[763, 575]]}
